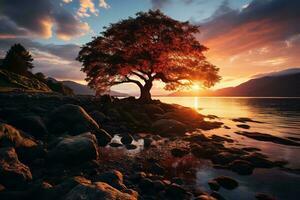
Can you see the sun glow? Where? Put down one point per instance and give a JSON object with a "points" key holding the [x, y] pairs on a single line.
{"points": [[196, 87]]}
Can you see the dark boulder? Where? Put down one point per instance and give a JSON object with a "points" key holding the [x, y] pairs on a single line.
{"points": [[227, 182], [179, 152], [70, 119], [33, 125], [74, 149], [214, 185], [13, 173], [113, 178], [242, 167], [175, 191]]}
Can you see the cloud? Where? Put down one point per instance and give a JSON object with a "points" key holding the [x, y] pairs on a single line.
{"points": [[159, 4], [86, 6], [38, 18], [103, 4], [258, 23]]}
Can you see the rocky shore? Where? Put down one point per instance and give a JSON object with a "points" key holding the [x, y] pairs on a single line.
{"points": [[84, 147]]}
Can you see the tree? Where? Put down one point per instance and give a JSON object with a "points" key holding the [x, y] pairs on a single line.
{"points": [[18, 60], [149, 47]]}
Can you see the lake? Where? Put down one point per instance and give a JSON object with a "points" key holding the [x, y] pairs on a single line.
{"points": [[280, 117]]}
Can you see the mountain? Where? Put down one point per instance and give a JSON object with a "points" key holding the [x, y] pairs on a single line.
{"points": [[280, 73], [284, 83], [85, 90]]}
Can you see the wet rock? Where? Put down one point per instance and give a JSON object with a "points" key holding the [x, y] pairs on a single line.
{"points": [[245, 120], [175, 191], [214, 185], [267, 138], [250, 149], [157, 169], [169, 127], [102, 136], [258, 160], [203, 152], [130, 146], [207, 125], [262, 196], [97, 190], [114, 144], [223, 158], [33, 125], [205, 197], [217, 195], [226, 127], [242, 167], [74, 149], [218, 138], [197, 138], [244, 126], [113, 178], [227, 182], [146, 185], [70, 119], [126, 139], [177, 181], [147, 142], [179, 152], [13, 173]]}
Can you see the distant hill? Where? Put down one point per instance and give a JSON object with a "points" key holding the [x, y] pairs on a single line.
{"points": [[284, 83], [85, 90], [10, 81]]}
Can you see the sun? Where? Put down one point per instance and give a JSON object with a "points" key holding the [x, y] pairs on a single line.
{"points": [[196, 87]]}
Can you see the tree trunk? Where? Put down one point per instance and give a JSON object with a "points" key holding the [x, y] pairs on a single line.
{"points": [[145, 96]]}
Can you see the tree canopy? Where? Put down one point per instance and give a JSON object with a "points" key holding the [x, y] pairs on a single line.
{"points": [[18, 60], [149, 47]]}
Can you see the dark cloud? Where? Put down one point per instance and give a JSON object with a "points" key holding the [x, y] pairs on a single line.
{"points": [[39, 17], [261, 21]]}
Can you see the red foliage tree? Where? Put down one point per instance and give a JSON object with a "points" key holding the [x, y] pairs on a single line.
{"points": [[149, 47]]}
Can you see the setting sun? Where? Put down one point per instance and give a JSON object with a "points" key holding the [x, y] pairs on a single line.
{"points": [[196, 87]]}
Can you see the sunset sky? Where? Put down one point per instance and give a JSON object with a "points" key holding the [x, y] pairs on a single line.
{"points": [[245, 37]]}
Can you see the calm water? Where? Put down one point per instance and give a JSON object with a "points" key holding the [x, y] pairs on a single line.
{"points": [[281, 117]]}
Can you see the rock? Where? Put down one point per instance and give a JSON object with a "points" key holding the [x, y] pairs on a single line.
{"points": [[126, 139], [13, 173], [262, 196], [175, 191], [214, 185], [177, 181], [157, 169], [244, 126], [130, 146], [27, 148], [70, 119], [245, 120], [197, 138], [177, 152], [97, 190], [258, 160], [147, 142], [169, 127], [11, 137], [203, 152], [223, 158], [227, 182], [217, 195], [113, 178], [33, 125], [146, 185], [242, 167], [114, 144], [75, 149], [102, 136], [99, 117], [159, 185], [267, 138], [205, 197]]}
